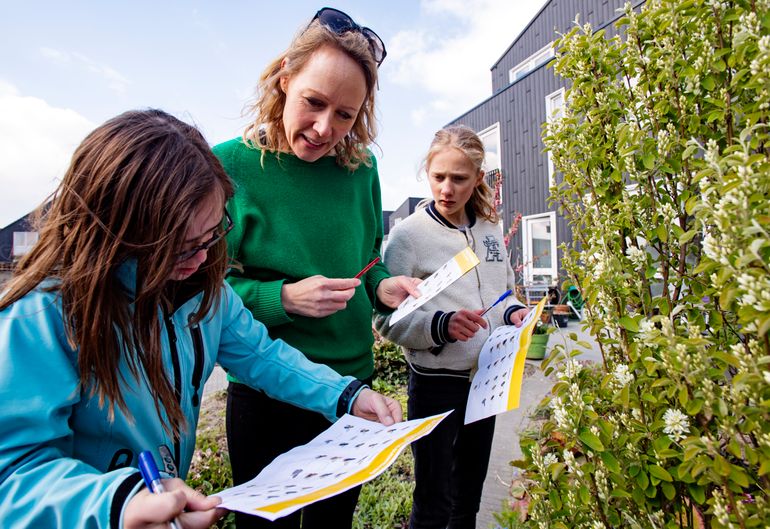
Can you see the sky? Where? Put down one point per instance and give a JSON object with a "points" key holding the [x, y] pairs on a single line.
{"points": [[66, 67]]}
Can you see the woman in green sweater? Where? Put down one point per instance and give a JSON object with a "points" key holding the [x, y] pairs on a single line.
{"points": [[308, 218]]}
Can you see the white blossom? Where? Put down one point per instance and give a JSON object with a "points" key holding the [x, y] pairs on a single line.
{"points": [[676, 424], [622, 376]]}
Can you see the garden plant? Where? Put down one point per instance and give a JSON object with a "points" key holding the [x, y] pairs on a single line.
{"points": [[664, 155]]}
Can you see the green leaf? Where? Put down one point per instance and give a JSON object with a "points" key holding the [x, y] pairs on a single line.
{"points": [[629, 324], [722, 466], [553, 497], [642, 480], [649, 161], [697, 492], [660, 473], [585, 495], [739, 476], [610, 462], [668, 490], [591, 440], [619, 493]]}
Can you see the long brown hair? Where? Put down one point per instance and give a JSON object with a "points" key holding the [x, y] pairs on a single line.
{"points": [[267, 130], [127, 198], [467, 142]]}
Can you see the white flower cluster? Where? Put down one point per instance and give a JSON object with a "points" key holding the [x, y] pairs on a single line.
{"points": [[720, 510], [569, 369], [755, 291], [637, 256], [676, 424], [602, 484], [647, 331], [657, 519], [622, 376], [571, 462], [549, 459], [761, 62]]}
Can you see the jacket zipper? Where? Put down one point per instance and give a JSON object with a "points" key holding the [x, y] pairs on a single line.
{"points": [[470, 240], [177, 376], [197, 339]]}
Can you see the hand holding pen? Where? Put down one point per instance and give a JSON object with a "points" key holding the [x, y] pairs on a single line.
{"points": [[178, 502], [464, 324], [151, 478]]}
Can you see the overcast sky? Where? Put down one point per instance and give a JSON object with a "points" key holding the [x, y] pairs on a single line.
{"points": [[66, 67]]}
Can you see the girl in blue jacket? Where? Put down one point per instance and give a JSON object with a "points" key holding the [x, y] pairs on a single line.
{"points": [[112, 324]]}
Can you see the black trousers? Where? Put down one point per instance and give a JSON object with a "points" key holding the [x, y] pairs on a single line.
{"points": [[259, 429], [450, 463]]}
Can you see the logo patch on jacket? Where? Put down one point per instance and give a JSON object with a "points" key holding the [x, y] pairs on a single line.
{"points": [[493, 249]]}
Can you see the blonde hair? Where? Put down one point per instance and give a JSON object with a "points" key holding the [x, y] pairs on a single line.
{"points": [[266, 130], [463, 139]]}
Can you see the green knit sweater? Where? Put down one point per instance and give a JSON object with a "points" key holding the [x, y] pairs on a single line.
{"points": [[293, 220]]}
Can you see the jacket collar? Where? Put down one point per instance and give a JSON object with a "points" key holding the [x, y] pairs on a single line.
{"points": [[179, 292], [438, 217]]}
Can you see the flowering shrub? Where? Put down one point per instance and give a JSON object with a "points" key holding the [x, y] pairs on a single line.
{"points": [[664, 151]]}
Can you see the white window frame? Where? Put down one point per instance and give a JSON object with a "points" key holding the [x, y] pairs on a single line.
{"points": [[484, 135], [542, 55], [529, 270], [550, 108], [23, 241]]}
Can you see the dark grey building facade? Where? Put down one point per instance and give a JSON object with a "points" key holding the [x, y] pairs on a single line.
{"points": [[15, 240], [526, 93]]}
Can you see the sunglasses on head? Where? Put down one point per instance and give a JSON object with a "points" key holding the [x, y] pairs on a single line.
{"points": [[227, 225], [339, 22]]}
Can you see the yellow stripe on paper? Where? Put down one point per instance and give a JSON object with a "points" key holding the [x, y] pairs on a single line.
{"points": [[466, 259], [514, 388], [381, 461]]}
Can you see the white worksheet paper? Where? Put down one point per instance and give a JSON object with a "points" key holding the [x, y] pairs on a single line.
{"points": [[449, 272], [350, 452], [496, 386]]}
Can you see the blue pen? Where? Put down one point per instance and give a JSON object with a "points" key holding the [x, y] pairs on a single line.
{"points": [[152, 479], [505, 295]]}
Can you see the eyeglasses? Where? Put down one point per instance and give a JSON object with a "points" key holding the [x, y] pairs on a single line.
{"points": [[215, 238], [340, 23]]}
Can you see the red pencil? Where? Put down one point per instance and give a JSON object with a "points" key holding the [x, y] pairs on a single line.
{"points": [[366, 268]]}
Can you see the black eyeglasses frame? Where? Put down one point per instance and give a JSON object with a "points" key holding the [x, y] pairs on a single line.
{"points": [[215, 238], [340, 22]]}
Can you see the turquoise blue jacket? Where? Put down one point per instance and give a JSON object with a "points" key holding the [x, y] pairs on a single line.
{"points": [[65, 464]]}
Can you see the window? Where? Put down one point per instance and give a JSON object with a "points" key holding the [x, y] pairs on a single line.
{"points": [[539, 251], [23, 242], [554, 109], [490, 137], [530, 63]]}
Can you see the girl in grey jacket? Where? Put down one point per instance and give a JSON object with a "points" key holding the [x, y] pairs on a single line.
{"points": [[442, 339]]}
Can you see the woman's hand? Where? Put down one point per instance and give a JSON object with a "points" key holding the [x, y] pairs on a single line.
{"points": [[465, 323], [393, 290], [376, 407], [150, 511], [317, 296], [519, 315]]}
